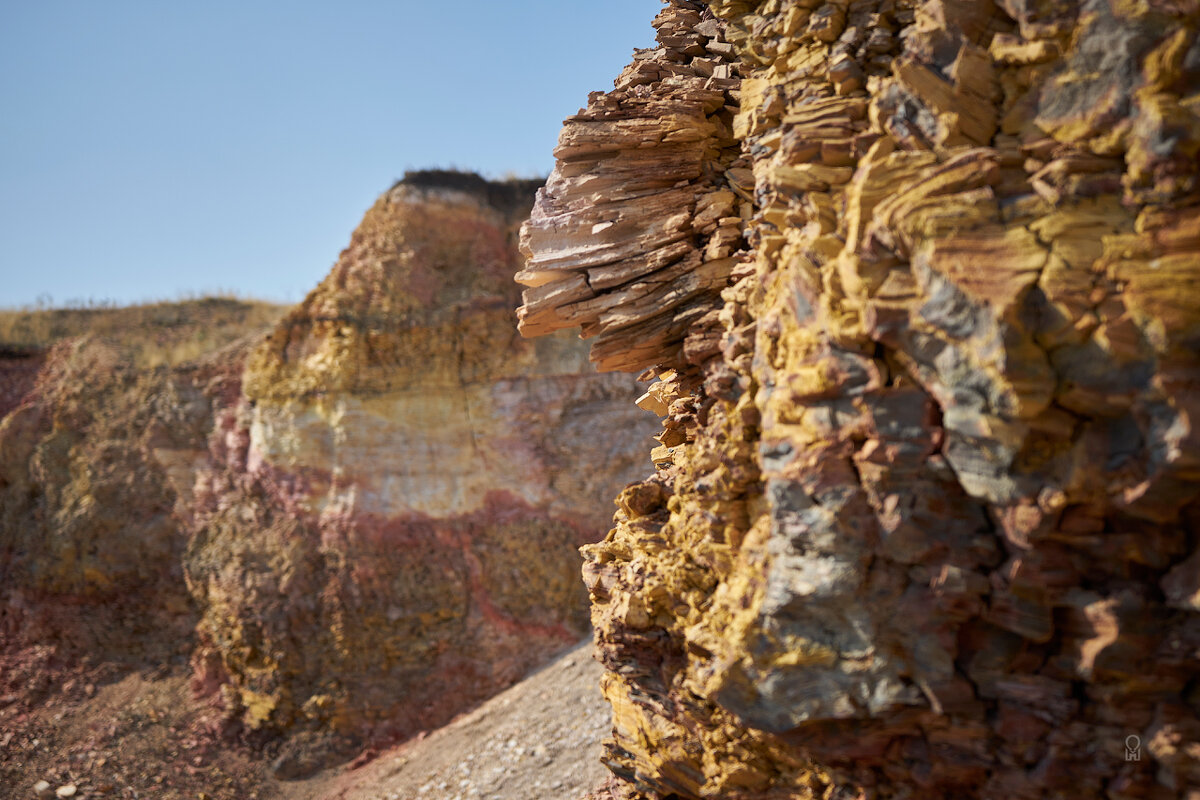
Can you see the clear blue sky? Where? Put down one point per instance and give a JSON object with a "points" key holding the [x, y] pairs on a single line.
{"points": [[149, 149]]}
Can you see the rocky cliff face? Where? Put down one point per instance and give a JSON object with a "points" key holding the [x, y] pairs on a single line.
{"points": [[351, 528], [918, 283], [387, 529]]}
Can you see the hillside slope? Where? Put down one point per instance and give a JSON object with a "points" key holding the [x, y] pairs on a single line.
{"points": [[294, 545]]}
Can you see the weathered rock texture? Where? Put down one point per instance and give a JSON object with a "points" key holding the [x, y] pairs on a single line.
{"points": [[97, 457], [925, 522], [352, 528], [632, 239], [387, 530]]}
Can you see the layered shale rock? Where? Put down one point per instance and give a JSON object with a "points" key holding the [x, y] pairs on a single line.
{"points": [[351, 528], [925, 520], [633, 236]]}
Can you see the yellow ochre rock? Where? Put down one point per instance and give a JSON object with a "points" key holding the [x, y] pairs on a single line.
{"points": [[925, 517]]}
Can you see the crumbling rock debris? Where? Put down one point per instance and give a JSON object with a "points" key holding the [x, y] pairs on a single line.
{"points": [[925, 519], [540, 738]]}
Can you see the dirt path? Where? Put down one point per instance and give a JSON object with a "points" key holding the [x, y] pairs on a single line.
{"points": [[539, 740]]}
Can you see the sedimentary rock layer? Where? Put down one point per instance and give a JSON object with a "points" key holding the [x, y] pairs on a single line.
{"points": [[388, 531], [925, 521], [94, 462], [633, 236], [354, 526]]}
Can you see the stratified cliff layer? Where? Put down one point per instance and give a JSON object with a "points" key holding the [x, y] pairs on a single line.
{"points": [[102, 426], [925, 324], [388, 530], [346, 529]]}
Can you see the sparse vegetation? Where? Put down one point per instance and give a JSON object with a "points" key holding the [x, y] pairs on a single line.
{"points": [[148, 335]]}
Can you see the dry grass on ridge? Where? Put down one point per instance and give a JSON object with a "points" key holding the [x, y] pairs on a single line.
{"points": [[148, 335]]}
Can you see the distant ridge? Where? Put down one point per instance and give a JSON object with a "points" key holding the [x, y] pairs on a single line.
{"points": [[505, 195]]}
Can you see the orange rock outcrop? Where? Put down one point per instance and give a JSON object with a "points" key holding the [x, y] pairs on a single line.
{"points": [[925, 519]]}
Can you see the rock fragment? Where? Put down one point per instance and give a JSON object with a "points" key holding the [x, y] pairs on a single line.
{"points": [[621, 241]]}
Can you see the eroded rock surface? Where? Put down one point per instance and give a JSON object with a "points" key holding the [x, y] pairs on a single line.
{"points": [[925, 521], [347, 528], [387, 533], [632, 237]]}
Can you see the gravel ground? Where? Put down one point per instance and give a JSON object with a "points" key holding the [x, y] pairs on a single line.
{"points": [[538, 740]]}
